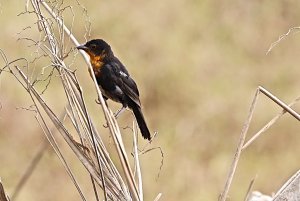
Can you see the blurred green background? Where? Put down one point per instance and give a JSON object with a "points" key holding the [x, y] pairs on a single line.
{"points": [[197, 65]]}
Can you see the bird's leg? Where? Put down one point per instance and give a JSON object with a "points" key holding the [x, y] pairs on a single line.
{"points": [[116, 114], [119, 112], [98, 101]]}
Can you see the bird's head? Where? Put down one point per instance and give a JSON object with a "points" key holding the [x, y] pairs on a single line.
{"points": [[96, 48]]}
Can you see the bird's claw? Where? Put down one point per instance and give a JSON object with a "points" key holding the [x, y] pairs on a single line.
{"points": [[116, 115], [98, 101]]}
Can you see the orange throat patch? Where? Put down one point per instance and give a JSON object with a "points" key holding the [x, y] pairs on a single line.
{"points": [[96, 62]]}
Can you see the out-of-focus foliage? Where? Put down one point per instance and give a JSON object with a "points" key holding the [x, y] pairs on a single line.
{"points": [[197, 65]]}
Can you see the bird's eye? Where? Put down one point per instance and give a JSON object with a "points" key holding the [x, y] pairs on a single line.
{"points": [[93, 46]]}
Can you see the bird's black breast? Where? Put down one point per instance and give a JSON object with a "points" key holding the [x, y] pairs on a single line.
{"points": [[106, 79], [109, 84]]}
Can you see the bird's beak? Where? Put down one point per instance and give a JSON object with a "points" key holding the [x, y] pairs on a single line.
{"points": [[82, 47]]}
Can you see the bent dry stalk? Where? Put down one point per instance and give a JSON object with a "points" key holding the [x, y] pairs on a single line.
{"points": [[242, 145]]}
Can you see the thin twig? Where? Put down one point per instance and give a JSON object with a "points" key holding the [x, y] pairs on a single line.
{"points": [[280, 103], [283, 36], [161, 161]]}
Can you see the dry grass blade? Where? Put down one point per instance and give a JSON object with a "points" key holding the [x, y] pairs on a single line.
{"points": [[58, 152], [74, 95], [249, 189], [123, 156], [137, 162], [238, 151]]}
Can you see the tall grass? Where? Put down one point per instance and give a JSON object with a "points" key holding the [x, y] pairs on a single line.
{"points": [[82, 137]]}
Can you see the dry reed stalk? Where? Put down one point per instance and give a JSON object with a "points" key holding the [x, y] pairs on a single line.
{"points": [[238, 151]]}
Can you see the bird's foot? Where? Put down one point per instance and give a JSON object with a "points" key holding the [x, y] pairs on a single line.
{"points": [[98, 101], [120, 111], [116, 115]]}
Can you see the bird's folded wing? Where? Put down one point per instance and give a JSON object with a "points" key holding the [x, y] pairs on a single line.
{"points": [[126, 84]]}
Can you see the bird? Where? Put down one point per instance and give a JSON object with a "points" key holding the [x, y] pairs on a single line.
{"points": [[114, 81]]}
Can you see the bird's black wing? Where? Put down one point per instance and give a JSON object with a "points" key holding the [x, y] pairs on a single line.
{"points": [[125, 82]]}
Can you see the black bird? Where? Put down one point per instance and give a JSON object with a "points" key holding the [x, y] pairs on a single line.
{"points": [[114, 80]]}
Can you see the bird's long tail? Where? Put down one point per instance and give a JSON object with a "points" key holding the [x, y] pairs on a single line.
{"points": [[141, 122]]}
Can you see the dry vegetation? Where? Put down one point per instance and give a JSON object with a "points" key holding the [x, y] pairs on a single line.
{"points": [[197, 64]]}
